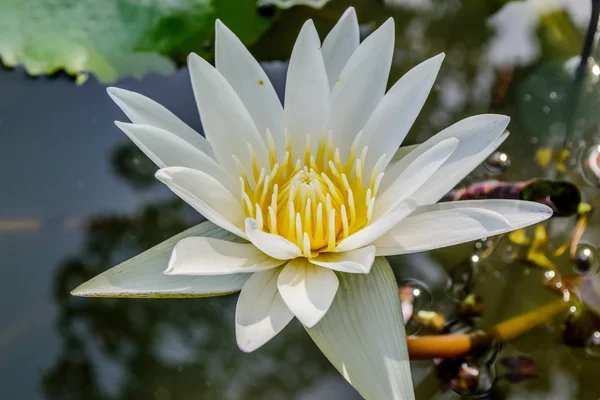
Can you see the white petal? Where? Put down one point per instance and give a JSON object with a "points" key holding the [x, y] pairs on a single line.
{"points": [[377, 228], [395, 114], [227, 124], [308, 290], [361, 86], [143, 110], [414, 176], [142, 276], [357, 261], [260, 313], [166, 149], [248, 79], [306, 91], [340, 44], [446, 224], [274, 245], [207, 195], [363, 336], [208, 256], [478, 136]]}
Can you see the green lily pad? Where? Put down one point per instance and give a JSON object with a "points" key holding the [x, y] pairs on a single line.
{"points": [[116, 38]]}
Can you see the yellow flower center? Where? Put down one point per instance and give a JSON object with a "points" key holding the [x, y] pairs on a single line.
{"points": [[315, 202]]}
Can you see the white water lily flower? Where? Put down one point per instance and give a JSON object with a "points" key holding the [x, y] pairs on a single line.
{"points": [[313, 193]]}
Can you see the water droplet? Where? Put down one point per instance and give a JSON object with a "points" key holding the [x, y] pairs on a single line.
{"points": [[463, 279], [527, 97], [472, 379], [590, 165], [586, 259], [553, 95], [592, 346], [498, 162], [417, 292], [546, 109]]}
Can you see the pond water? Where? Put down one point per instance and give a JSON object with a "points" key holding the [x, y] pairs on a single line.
{"points": [[78, 198]]}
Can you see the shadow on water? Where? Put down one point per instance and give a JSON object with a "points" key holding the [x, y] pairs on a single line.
{"points": [[95, 203]]}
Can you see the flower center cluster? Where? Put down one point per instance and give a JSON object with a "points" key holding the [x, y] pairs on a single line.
{"points": [[314, 202]]}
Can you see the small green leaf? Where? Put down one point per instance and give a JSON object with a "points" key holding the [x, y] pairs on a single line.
{"points": [[116, 38]]}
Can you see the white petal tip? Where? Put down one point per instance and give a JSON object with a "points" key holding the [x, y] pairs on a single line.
{"points": [[349, 13], [163, 176], [248, 347], [113, 91]]}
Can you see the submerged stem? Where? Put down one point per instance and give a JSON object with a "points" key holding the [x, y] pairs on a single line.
{"points": [[457, 345]]}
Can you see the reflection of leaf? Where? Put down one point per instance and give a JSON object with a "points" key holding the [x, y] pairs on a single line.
{"points": [[114, 38]]}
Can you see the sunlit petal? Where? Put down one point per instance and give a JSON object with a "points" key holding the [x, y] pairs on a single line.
{"points": [[166, 149], [143, 110], [209, 256], [205, 194], [143, 275], [361, 86], [307, 91], [357, 261], [340, 44], [227, 124], [446, 224], [363, 335], [248, 79], [260, 313], [307, 289], [395, 114]]}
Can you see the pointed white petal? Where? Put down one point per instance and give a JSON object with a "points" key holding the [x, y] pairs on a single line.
{"points": [[340, 44], [377, 228], [260, 313], [207, 195], [166, 149], [208, 256], [306, 91], [363, 336], [446, 224], [361, 86], [142, 110], [248, 79], [143, 275], [395, 114], [478, 136], [307, 289], [357, 261], [414, 176], [227, 124], [274, 245]]}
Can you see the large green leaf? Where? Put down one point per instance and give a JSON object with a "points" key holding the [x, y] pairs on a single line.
{"points": [[115, 38]]}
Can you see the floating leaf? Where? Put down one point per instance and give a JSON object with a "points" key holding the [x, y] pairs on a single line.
{"points": [[116, 38]]}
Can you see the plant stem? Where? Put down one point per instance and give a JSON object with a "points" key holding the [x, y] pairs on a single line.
{"points": [[457, 345]]}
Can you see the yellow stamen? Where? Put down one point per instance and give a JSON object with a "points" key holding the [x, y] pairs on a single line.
{"points": [[314, 200]]}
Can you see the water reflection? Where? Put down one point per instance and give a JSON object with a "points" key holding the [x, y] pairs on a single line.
{"points": [[83, 198]]}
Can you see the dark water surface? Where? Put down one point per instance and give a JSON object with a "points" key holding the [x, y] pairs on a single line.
{"points": [[78, 198]]}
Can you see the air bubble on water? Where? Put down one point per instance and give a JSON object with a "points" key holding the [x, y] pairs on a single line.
{"points": [[422, 301], [592, 346]]}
